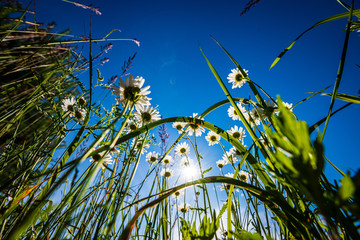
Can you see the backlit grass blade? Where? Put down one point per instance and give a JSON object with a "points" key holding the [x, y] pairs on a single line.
{"points": [[340, 71], [329, 19]]}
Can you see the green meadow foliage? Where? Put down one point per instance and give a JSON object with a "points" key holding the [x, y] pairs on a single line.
{"points": [[72, 169]]}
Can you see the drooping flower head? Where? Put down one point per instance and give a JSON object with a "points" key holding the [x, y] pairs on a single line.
{"points": [[146, 114], [212, 138], [195, 128], [182, 149], [237, 78], [132, 91]]}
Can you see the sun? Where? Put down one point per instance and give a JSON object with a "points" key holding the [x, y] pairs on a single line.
{"points": [[190, 172]]}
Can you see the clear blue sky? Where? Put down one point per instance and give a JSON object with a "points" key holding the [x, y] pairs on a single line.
{"points": [[170, 33]]}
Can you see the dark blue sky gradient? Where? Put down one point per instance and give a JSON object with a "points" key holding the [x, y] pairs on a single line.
{"points": [[171, 32]]}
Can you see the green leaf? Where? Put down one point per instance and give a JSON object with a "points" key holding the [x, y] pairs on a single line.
{"points": [[347, 188], [207, 170], [244, 235]]}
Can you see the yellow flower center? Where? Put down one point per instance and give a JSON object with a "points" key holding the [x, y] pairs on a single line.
{"points": [[146, 117], [238, 77], [243, 177], [131, 93], [236, 135]]}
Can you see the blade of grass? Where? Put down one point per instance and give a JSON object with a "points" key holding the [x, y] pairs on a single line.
{"points": [[329, 19], [340, 71]]}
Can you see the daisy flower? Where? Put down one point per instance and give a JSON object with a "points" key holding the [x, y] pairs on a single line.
{"points": [[183, 207], [167, 160], [195, 128], [222, 162], [165, 172], [146, 114], [271, 105], [82, 101], [182, 149], [178, 126], [230, 175], [139, 144], [186, 162], [132, 91], [226, 186], [212, 138], [178, 194], [131, 125], [288, 105], [237, 133], [233, 114], [68, 104], [236, 78], [244, 176], [152, 157], [253, 117], [79, 113], [235, 155], [265, 141], [106, 160]]}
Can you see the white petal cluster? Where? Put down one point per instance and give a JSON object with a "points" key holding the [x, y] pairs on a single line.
{"points": [[132, 90], [182, 149], [212, 138], [195, 128], [70, 105], [152, 157], [146, 114], [237, 78], [237, 133]]}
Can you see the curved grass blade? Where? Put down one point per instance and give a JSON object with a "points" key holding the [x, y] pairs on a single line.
{"points": [[329, 19], [274, 200]]}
